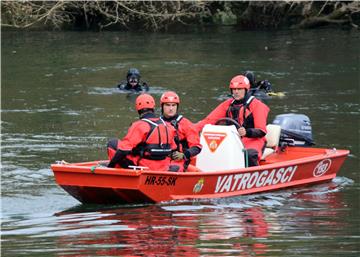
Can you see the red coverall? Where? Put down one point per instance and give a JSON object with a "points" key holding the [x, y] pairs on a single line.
{"points": [[137, 134], [255, 118]]}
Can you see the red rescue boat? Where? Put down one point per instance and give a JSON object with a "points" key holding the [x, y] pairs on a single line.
{"points": [[220, 169], [90, 182]]}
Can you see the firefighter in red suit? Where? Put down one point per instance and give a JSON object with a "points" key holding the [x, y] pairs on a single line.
{"points": [[250, 113], [149, 141], [186, 136]]}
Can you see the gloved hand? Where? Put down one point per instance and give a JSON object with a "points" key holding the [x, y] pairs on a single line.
{"points": [[177, 156]]}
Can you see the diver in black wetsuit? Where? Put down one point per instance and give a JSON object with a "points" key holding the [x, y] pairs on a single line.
{"points": [[260, 89], [132, 82]]}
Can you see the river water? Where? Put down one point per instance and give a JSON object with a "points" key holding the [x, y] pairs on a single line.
{"points": [[59, 102]]}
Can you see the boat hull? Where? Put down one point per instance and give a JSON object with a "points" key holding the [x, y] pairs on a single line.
{"points": [[92, 183]]}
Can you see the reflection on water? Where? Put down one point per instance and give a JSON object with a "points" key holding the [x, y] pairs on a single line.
{"points": [[60, 102], [240, 226]]}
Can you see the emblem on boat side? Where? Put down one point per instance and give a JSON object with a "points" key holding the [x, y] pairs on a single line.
{"points": [[198, 186], [322, 168], [214, 139]]}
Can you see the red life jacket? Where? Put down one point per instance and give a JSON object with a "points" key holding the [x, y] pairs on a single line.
{"points": [[157, 145]]}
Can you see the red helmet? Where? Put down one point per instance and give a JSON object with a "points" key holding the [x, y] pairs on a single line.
{"points": [[239, 81], [169, 97], [144, 101]]}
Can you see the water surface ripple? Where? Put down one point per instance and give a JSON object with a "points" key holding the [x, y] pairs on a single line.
{"points": [[60, 102]]}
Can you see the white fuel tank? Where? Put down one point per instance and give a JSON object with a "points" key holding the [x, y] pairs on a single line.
{"points": [[222, 149]]}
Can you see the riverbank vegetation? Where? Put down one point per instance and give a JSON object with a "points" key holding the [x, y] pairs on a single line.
{"points": [[175, 15]]}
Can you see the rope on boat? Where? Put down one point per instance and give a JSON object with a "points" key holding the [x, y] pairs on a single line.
{"points": [[92, 169], [138, 167]]}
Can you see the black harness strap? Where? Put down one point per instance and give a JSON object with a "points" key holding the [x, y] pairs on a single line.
{"points": [[175, 124], [233, 111], [246, 106]]}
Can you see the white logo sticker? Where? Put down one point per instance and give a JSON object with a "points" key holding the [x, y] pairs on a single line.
{"points": [[322, 167]]}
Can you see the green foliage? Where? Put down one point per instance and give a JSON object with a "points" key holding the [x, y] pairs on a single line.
{"points": [[225, 17]]}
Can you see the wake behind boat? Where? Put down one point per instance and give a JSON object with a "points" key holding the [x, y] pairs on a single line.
{"points": [[218, 171]]}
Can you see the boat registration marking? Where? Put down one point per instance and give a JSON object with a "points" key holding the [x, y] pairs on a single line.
{"points": [[242, 181], [160, 180]]}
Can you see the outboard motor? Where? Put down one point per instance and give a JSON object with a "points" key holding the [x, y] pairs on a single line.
{"points": [[295, 129]]}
